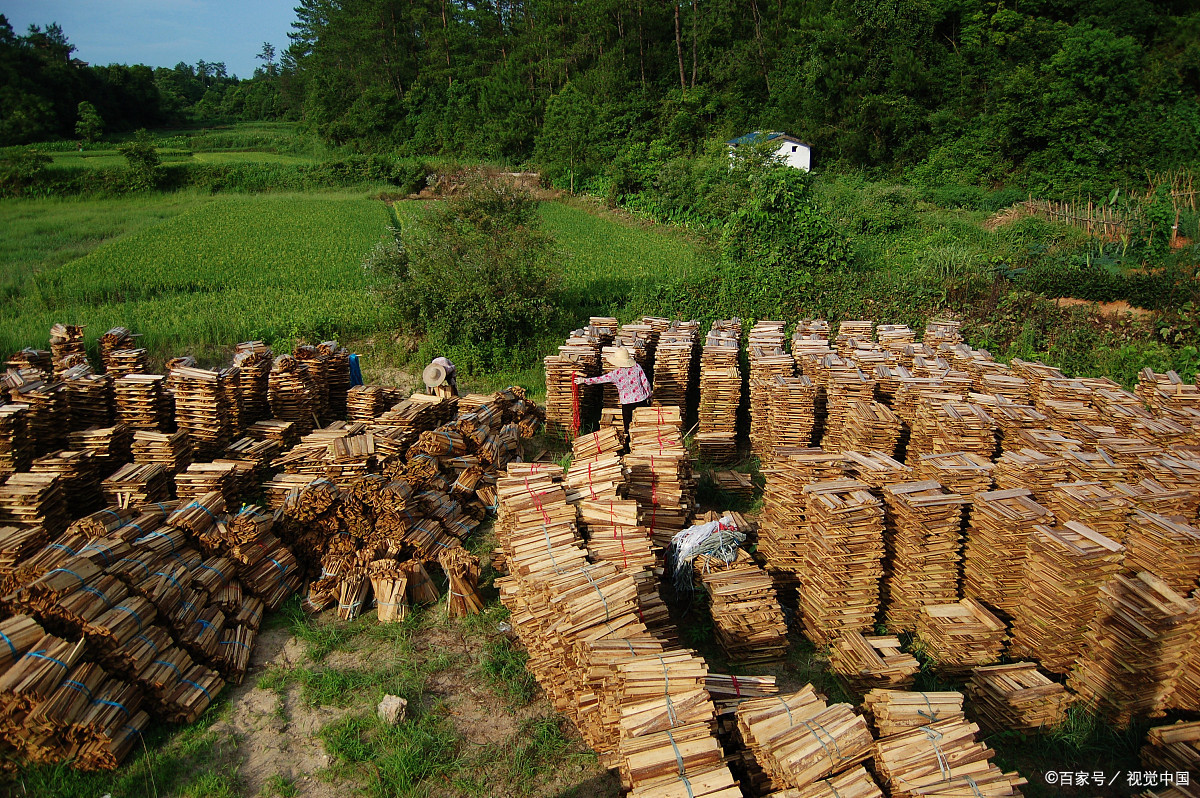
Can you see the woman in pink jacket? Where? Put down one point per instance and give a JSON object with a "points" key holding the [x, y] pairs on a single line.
{"points": [[632, 385]]}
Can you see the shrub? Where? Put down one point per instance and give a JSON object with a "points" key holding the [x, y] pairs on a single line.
{"points": [[144, 164], [21, 169], [476, 275]]}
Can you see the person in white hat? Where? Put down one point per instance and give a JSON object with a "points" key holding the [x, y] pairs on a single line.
{"points": [[632, 386], [438, 373]]}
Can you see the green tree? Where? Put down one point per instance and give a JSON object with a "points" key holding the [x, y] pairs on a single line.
{"points": [[144, 163], [90, 126], [20, 169], [566, 138], [476, 276]]}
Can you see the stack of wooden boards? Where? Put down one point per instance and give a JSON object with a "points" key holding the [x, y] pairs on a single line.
{"points": [[143, 610], [746, 617], [720, 392], [1016, 697]]}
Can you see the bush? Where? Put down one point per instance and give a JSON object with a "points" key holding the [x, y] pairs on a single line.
{"points": [[20, 170], [144, 164], [476, 275]]}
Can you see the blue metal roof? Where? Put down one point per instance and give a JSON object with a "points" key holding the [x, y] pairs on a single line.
{"points": [[757, 135]]}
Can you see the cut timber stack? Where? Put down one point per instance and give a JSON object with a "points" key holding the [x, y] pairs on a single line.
{"points": [[923, 540], [792, 412], [292, 394], [115, 339], [1030, 469], [123, 362], [1175, 749], [843, 562], [673, 364], [844, 385], [78, 477], [853, 783], [720, 392], [133, 485], [1064, 569], [142, 402], [89, 397], [253, 360], [29, 500], [746, 616], [877, 469], [172, 451], [579, 357], [997, 547], [1186, 696], [784, 533], [66, 340], [16, 448], [942, 759], [660, 472], [871, 427], [1166, 548], [203, 402], [1016, 697], [895, 711], [960, 636], [768, 359], [1136, 648], [863, 662], [797, 738], [957, 472]]}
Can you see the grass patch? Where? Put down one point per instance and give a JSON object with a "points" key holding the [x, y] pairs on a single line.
{"points": [[503, 666], [392, 760], [539, 745], [280, 787]]}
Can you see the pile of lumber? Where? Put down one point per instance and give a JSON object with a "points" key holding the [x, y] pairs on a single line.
{"points": [[843, 562], [253, 360], [798, 738], [673, 359], [171, 450], [791, 414], [1174, 749], [1064, 569], [1167, 548], [1016, 697], [16, 447], [768, 360], [111, 447], [579, 357], [957, 472], [923, 539], [998, 535], [89, 397], [368, 402], [142, 402], [784, 531], [732, 483], [877, 469], [961, 635], [659, 472], [135, 484], [865, 662], [746, 617], [115, 339], [66, 341], [1030, 469], [720, 392], [34, 500], [896, 711], [78, 477], [871, 427], [204, 402], [46, 419], [1136, 648], [123, 362], [292, 393], [953, 426], [844, 386], [943, 758]]}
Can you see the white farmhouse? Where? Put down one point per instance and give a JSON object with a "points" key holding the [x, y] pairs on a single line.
{"points": [[791, 150]]}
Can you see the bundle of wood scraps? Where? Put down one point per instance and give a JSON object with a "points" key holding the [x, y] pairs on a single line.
{"points": [[895, 711], [1016, 697], [863, 662]]}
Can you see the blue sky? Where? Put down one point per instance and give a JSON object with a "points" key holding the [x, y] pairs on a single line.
{"points": [[162, 32]]}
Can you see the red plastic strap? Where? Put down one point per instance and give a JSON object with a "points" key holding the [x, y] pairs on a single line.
{"points": [[537, 501], [591, 489], [596, 439], [613, 523], [575, 418], [737, 688]]}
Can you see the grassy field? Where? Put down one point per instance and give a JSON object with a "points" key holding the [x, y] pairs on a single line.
{"points": [[195, 274]]}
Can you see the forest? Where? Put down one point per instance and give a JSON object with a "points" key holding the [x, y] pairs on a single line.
{"points": [[1059, 98]]}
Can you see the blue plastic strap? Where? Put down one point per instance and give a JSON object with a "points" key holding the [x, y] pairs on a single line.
{"points": [[101, 550], [172, 580], [198, 687], [138, 618], [132, 729], [113, 514], [282, 571], [11, 647], [145, 567], [42, 655], [95, 592], [105, 702], [82, 581], [67, 549], [148, 641], [79, 687], [169, 665], [157, 534], [203, 623], [137, 527], [234, 643], [205, 509]]}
